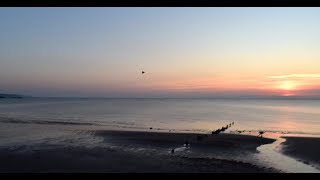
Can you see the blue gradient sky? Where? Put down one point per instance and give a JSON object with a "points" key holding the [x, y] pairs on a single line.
{"points": [[185, 51]]}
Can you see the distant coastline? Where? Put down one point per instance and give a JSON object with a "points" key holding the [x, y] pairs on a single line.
{"points": [[209, 97], [12, 96]]}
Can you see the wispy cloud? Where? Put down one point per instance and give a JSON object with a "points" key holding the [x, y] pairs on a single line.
{"points": [[295, 76]]}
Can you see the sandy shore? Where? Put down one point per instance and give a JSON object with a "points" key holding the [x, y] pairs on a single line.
{"points": [[305, 149], [223, 140], [122, 151]]}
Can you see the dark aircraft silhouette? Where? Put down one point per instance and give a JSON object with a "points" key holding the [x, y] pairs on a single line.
{"points": [[142, 72]]}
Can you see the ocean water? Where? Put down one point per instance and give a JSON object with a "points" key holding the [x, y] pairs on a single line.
{"points": [[189, 115], [69, 121]]}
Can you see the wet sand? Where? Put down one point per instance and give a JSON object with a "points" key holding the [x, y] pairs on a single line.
{"points": [[117, 158], [63, 159], [223, 140], [305, 149]]}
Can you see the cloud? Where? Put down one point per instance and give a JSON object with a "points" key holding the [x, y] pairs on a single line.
{"points": [[295, 76], [310, 92]]}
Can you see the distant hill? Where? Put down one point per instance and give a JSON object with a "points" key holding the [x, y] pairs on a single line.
{"points": [[16, 96]]}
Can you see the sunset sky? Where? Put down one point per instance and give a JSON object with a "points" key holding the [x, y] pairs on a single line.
{"points": [[185, 52]]}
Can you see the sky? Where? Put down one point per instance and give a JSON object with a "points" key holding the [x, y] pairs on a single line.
{"points": [[185, 52]]}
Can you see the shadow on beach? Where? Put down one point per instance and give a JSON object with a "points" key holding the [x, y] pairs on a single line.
{"points": [[304, 149], [67, 158]]}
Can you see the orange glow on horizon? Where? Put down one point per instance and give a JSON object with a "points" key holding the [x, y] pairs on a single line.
{"points": [[288, 85], [297, 85], [288, 94]]}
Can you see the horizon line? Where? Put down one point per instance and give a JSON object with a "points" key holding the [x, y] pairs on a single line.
{"points": [[211, 97]]}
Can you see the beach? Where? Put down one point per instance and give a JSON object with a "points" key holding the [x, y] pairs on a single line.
{"points": [[169, 135], [141, 152], [161, 90], [304, 149]]}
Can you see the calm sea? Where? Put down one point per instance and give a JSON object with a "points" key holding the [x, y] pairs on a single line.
{"points": [[31, 118]]}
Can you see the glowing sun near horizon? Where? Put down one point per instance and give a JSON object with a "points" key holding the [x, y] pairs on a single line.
{"points": [[295, 84], [287, 88], [287, 85]]}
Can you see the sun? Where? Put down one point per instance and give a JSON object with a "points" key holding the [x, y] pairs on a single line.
{"points": [[287, 85]]}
